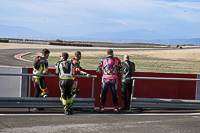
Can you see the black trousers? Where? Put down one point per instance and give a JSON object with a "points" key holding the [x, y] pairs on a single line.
{"points": [[126, 87], [66, 88]]}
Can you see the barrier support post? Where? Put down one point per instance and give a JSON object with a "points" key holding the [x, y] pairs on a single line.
{"points": [[132, 93], [92, 90], [29, 89]]}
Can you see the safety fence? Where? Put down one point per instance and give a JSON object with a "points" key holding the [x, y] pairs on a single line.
{"points": [[162, 103], [136, 102], [34, 102]]}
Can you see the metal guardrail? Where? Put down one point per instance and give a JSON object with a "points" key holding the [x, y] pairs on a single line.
{"points": [[163, 103], [32, 102]]}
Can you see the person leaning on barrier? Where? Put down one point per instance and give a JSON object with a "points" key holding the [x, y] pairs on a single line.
{"points": [[40, 66], [127, 70], [64, 69], [110, 67], [76, 71]]}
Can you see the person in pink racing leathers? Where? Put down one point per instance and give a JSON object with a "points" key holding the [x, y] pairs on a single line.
{"points": [[110, 67]]}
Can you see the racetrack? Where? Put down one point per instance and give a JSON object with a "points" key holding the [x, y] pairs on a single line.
{"points": [[53, 120], [9, 50]]}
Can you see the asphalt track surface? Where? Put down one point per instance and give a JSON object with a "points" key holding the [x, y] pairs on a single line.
{"points": [[53, 120]]}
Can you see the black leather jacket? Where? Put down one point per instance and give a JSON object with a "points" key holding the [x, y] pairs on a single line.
{"points": [[127, 70]]}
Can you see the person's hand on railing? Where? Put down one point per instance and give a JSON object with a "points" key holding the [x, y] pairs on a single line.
{"points": [[46, 73], [88, 76]]}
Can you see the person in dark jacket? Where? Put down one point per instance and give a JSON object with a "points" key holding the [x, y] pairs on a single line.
{"points": [[127, 71]]}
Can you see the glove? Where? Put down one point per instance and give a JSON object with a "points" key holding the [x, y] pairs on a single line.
{"points": [[45, 73]]}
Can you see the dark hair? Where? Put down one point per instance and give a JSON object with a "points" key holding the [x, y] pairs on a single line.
{"points": [[65, 55], [109, 52], [77, 53], [45, 51]]}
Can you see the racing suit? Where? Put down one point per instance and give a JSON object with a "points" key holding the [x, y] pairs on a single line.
{"points": [[110, 67], [76, 71], [40, 67], [65, 70], [126, 85]]}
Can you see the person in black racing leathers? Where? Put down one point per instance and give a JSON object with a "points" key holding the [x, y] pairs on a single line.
{"points": [[64, 69], [40, 66], [77, 70], [127, 70]]}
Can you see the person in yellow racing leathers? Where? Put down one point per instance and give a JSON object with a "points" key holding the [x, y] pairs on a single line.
{"points": [[64, 69], [40, 67]]}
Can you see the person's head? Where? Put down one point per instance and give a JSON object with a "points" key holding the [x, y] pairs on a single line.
{"points": [[78, 55], [64, 56], [45, 53], [126, 57], [110, 52]]}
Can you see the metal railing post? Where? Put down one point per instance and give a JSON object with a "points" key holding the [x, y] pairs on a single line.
{"points": [[29, 89], [93, 87], [132, 93]]}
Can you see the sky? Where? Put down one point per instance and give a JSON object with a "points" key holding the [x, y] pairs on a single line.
{"points": [[81, 17]]}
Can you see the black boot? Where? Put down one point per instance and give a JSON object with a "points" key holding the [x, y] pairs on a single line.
{"points": [[66, 110], [116, 110], [70, 108], [101, 110]]}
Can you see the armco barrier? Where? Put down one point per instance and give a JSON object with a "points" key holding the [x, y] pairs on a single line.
{"points": [[163, 103], [29, 102], [163, 89], [160, 89]]}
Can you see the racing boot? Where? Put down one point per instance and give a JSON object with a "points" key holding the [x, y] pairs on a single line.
{"points": [[70, 109], [116, 110], [66, 110], [101, 110], [44, 93]]}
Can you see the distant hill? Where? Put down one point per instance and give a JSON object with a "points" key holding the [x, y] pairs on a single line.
{"points": [[133, 36], [22, 32]]}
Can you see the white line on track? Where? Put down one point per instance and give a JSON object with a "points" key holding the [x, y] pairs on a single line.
{"points": [[143, 114]]}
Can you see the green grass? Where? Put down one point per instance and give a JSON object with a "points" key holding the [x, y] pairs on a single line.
{"points": [[143, 63]]}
